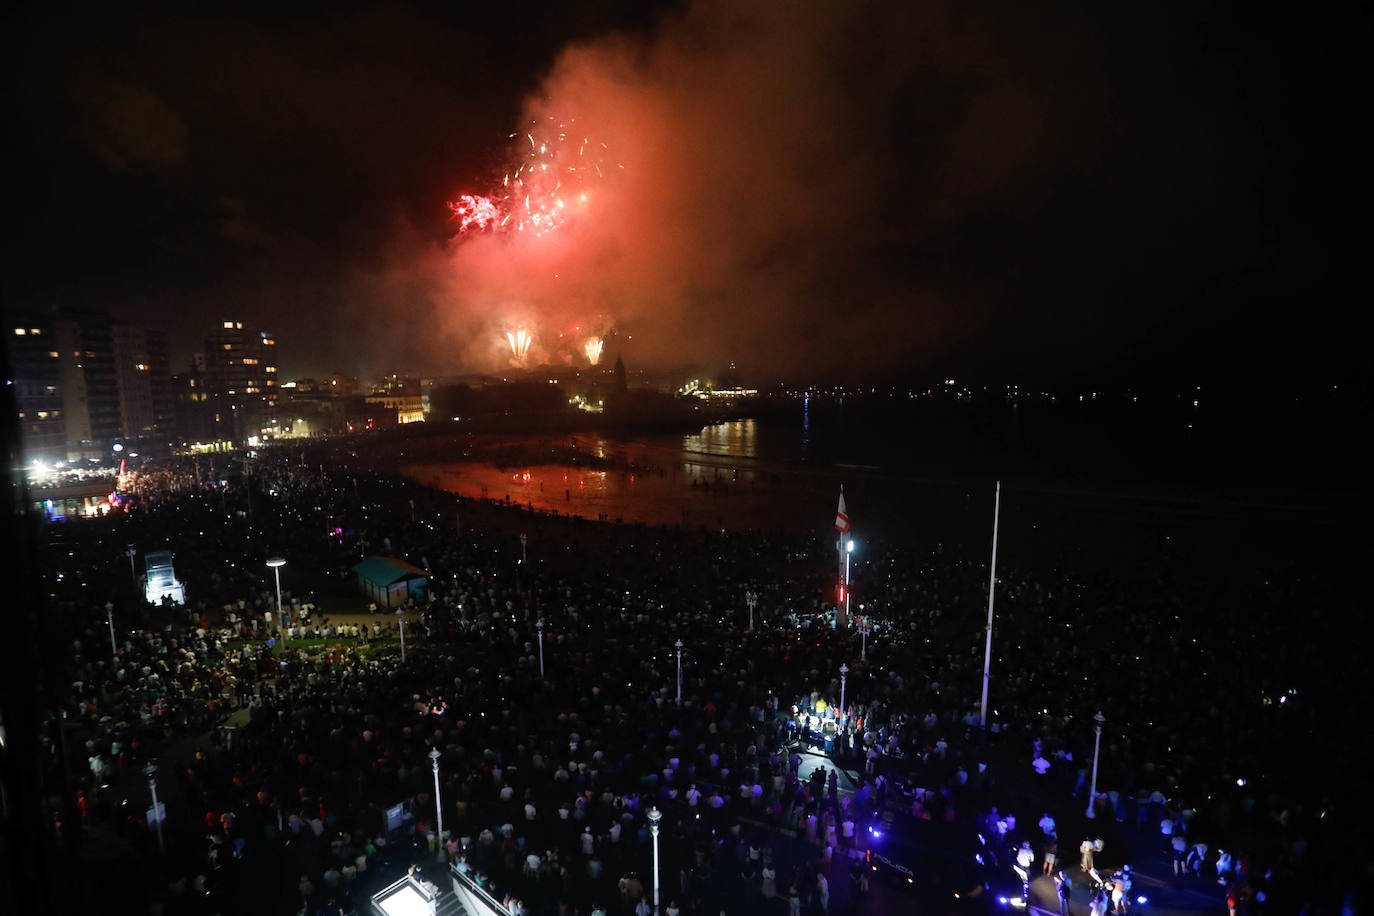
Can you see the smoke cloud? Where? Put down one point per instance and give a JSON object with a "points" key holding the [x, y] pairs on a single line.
{"points": [[761, 212]]}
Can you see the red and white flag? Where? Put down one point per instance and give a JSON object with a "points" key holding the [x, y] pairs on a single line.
{"points": [[841, 517]]}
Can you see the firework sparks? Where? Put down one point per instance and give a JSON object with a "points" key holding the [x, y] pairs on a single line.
{"points": [[593, 349], [520, 341], [533, 196], [474, 210]]}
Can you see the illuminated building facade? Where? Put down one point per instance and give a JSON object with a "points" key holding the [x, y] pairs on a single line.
{"points": [[144, 382], [35, 367], [240, 381], [90, 389]]}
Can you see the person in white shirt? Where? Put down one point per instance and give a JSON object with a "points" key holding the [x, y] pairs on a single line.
{"points": [[1047, 826]]}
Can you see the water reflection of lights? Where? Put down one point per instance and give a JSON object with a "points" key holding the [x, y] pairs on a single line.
{"points": [[735, 439]]}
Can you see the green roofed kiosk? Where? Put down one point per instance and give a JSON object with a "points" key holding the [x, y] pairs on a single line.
{"points": [[389, 581]]}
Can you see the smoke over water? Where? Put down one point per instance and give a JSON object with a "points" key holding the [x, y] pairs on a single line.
{"points": [[813, 191], [737, 172]]}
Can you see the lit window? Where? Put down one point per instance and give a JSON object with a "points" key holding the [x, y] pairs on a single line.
{"points": [[249, 361], [228, 325], [35, 331], [20, 332], [228, 346], [269, 368], [53, 354], [141, 367]]}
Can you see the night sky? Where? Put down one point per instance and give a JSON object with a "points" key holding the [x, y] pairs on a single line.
{"points": [[812, 191]]}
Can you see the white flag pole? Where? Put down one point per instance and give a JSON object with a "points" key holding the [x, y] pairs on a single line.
{"points": [[992, 591]]}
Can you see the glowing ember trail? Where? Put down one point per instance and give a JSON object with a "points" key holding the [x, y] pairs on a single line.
{"points": [[519, 345], [593, 349], [548, 184]]}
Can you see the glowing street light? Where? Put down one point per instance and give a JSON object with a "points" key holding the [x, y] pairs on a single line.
{"points": [[401, 624], [654, 817], [848, 551], [751, 599], [277, 563], [865, 627]]}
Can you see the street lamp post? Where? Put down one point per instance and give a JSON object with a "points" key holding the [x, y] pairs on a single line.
{"points": [[133, 574], [865, 627], [523, 540], [109, 618], [540, 627], [654, 817], [401, 623], [277, 563], [751, 599], [151, 772], [844, 674], [679, 672], [438, 802], [848, 551], [992, 593], [1097, 744]]}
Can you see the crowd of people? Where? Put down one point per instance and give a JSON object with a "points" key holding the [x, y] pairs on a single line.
{"points": [[554, 744]]}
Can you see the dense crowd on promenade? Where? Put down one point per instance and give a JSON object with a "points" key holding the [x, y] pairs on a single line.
{"points": [[546, 780]]}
